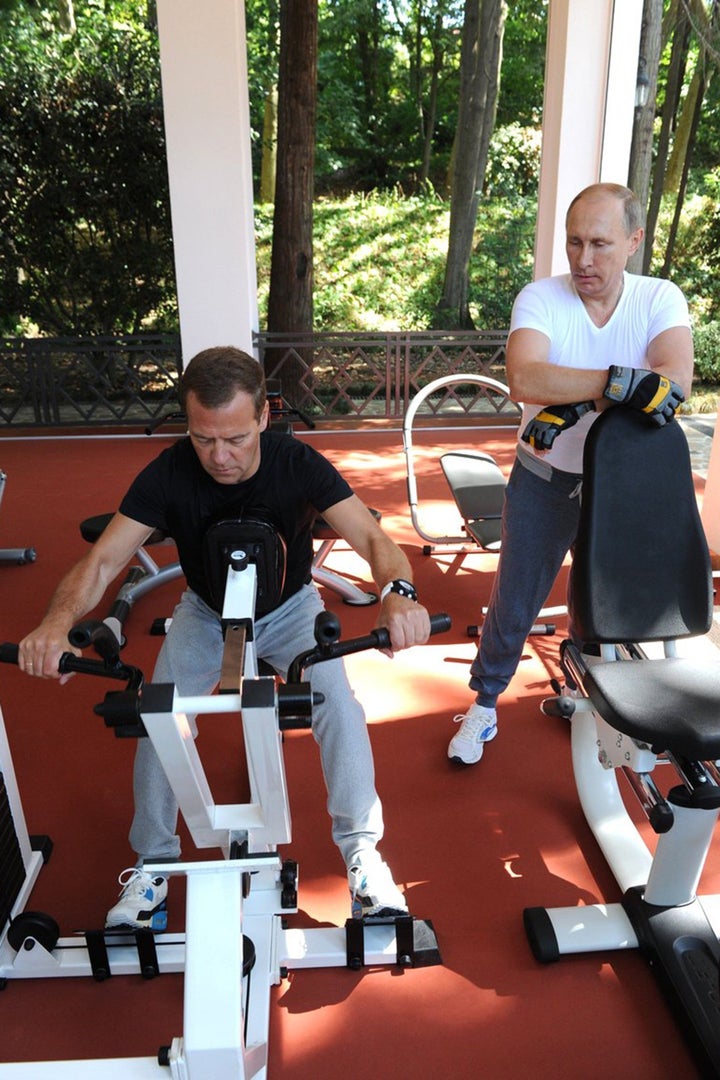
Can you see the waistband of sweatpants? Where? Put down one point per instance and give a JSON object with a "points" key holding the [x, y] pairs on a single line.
{"points": [[543, 469]]}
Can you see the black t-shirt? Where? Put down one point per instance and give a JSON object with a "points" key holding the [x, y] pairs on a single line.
{"points": [[293, 484]]}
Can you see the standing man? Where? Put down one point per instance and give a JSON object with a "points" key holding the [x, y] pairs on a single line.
{"points": [[230, 461], [584, 341]]}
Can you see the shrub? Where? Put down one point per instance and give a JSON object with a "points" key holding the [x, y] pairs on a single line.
{"points": [[707, 352]]}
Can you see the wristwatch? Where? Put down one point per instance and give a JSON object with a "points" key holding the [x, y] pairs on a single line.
{"points": [[401, 587]]}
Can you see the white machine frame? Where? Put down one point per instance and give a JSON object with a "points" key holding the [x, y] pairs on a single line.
{"points": [[229, 901]]}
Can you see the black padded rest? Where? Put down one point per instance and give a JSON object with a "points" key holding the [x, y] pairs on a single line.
{"points": [[641, 566], [671, 704], [641, 572], [91, 528]]}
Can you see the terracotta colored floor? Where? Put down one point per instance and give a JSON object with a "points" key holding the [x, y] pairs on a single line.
{"points": [[472, 847]]}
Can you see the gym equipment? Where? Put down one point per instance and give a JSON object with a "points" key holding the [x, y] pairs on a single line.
{"points": [[476, 482], [14, 555], [474, 478], [235, 945], [640, 582], [145, 575]]}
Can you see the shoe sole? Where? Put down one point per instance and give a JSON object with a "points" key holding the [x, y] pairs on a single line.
{"points": [[157, 922]]}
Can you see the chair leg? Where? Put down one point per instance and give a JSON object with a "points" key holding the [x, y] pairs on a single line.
{"points": [[350, 593]]}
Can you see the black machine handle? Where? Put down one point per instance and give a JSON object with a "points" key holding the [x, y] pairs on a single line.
{"points": [[327, 632], [104, 642]]}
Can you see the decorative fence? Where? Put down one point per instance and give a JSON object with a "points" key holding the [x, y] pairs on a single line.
{"points": [[91, 382]]}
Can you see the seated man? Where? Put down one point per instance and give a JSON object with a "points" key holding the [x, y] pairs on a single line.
{"points": [[230, 461]]}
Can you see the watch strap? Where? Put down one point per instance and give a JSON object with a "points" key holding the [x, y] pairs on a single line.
{"points": [[401, 587]]}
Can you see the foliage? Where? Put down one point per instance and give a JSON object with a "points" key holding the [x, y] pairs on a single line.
{"points": [[523, 66], [84, 207], [707, 352], [696, 257], [513, 169], [379, 260], [85, 236]]}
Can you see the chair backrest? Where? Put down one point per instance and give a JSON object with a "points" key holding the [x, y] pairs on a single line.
{"points": [[641, 566]]}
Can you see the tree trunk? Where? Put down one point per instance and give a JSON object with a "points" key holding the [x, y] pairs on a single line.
{"points": [[290, 301], [642, 140], [66, 16], [680, 160], [672, 96], [268, 168], [682, 183], [483, 29], [427, 129]]}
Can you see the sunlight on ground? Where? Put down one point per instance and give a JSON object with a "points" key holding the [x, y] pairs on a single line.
{"points": [[415, 682]]}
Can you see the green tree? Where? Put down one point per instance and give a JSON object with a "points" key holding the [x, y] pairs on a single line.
{"points": [[480, 70], [84, 208]]}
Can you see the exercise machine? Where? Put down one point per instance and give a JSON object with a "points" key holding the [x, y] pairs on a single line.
{"points": [[636, 700], [236, 945], [14, 555], [474, 478], [145, 574]]}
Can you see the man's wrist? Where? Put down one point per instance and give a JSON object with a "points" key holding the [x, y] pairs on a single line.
{"points": [[401, 587]]}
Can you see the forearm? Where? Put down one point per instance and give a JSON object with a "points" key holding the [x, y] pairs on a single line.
{"points": [[79, 592], [387, 561], [539, 383]]}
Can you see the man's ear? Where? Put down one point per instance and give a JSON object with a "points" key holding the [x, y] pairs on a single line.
{"points": [[264, 419], [636, 240]]}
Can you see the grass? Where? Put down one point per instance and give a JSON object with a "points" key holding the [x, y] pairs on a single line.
{"points": [[379, 264], [379, 261]]}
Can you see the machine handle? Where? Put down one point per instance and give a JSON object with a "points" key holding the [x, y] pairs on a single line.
{"points": [[329, 648], [69, 662]]}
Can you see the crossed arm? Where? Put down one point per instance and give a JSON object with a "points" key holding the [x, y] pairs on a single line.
{"points": [[567, 394], [535, 381]]}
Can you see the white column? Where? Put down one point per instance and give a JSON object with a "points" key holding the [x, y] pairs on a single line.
{"points": [[207, 126], [590, 76]]}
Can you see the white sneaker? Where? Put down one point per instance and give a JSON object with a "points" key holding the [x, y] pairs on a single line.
{"points": [[372, 889], [142, 903], [479, 726]]}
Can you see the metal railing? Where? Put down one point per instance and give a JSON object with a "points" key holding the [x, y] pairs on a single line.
{"points": [[91, 382]]}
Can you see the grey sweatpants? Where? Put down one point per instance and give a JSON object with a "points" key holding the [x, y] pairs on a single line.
{"points": [[539, 525], [191, 658]]}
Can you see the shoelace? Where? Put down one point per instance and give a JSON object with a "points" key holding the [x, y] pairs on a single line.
{"points": [[135, 881], [476, 725]]}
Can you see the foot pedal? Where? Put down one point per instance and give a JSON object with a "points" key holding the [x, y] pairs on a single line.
{"points": [[147, 953], [416, 942], [98, 954]]}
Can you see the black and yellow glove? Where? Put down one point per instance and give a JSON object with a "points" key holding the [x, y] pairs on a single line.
{"points": [[649, 392], [546, 425]]}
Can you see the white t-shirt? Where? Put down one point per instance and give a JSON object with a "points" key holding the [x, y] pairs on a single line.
{"points": [[647, 307]]}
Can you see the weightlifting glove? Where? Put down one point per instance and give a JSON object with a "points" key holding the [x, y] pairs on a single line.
{"points": [[546, 425], [655, 395]]}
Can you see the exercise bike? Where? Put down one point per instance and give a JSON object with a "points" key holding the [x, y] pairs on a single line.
{"points": [[641, 582], [235, 946]]}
